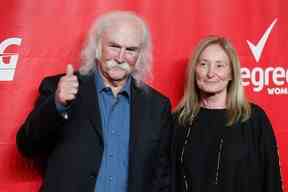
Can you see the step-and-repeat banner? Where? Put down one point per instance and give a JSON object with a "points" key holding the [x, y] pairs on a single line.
{"points": [[39, 38]]}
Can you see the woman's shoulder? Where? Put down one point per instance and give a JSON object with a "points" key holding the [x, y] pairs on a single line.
{"points": [[257, 111], [175, 118], [179, 126], [258, 120]]}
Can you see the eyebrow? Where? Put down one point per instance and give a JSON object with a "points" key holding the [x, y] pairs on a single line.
{"points": [[220, 61], [206, 60], [203, 60], [130, 48], [113, 44]]}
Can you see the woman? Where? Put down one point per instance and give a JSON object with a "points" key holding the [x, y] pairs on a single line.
{"points": [[222, 142]]}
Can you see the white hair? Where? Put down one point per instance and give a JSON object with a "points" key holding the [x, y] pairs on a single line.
{"points": [[91, 53]]}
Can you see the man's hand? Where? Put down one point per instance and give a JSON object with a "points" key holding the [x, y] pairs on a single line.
{"points": [[67, 87]]}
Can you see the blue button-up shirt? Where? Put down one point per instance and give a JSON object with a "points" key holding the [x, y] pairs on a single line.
{"points": [[115, 117]]}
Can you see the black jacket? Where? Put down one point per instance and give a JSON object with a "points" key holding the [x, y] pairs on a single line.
{"points": [[73, 148]]}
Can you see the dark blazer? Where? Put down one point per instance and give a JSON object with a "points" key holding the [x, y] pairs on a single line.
{"points": [[72, 148]]}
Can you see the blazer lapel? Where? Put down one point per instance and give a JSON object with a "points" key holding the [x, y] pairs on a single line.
{"points": [[90, 102], [136, 122]]}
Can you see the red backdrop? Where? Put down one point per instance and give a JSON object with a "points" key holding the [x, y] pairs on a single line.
{"points": [[39, 38]]}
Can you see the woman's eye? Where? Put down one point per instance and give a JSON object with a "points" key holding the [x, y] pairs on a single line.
{"points": [[220, 65], [203, 64]]}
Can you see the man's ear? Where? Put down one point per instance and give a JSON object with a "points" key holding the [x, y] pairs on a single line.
{"points": [[139, 58], [98, 49]]}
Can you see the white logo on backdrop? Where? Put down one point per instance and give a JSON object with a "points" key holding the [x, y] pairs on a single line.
{"points": [[274, 78], [8, 61], [258, 48]]}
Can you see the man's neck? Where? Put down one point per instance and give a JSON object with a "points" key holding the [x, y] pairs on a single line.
{"points": [[115, 86]]}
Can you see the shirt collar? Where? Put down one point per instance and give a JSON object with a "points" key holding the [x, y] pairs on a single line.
{"points": [[100, 86]]}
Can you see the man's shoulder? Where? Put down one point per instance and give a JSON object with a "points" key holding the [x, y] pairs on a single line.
{"points": [[154, 94], [53, 79], [50, 82]]}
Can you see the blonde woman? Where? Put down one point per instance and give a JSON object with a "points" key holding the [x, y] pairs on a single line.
{"points": [[222, 142]]}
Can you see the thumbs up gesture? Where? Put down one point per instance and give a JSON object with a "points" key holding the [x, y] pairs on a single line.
{"points": [[67, 87]]}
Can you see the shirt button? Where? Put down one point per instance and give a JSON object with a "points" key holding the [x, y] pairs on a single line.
{"points": [[110, 178], [113, 132], [110, 155], [92, 175]]}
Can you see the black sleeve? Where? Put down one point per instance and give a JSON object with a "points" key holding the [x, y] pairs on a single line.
{"points": [[177, 146], [163, 175], [40, 131], [269, 152]]}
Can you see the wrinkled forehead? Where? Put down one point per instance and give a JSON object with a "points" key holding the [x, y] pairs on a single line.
{"points": [[124, 32], [214, 52]]}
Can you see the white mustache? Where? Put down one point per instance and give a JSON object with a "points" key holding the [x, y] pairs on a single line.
{"points": [[113, 64]]}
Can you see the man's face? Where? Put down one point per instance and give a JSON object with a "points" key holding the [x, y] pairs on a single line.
{"points": [[120, 50], [213, 70]]}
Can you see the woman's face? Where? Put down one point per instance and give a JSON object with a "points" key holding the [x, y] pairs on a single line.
{"points": [[213, 70]]}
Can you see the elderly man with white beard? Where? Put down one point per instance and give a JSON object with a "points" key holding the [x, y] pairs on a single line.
{"points": [[102, 129]]}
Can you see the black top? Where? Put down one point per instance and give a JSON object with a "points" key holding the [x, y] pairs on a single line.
{"points": [[242, 157]]}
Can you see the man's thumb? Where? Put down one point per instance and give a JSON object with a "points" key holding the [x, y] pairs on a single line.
{"points": [[69, 70]]}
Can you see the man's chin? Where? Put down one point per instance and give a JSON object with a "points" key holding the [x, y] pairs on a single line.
{"points": [[118, 76]]}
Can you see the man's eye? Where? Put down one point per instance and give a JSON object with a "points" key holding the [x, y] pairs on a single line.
{"points": [[132, 49], [114, 46]]}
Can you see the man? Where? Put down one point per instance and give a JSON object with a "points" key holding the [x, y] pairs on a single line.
{"points": [[102, 129]]}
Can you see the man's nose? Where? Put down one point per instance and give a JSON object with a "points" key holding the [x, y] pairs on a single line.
{"points": [[121, 56]]}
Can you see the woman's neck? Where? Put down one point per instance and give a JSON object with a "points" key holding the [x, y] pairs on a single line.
{"points": [[214, 101]]}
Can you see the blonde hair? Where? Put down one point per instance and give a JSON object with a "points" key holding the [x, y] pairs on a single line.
{"points": [[92, 50], [237, 106]]}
